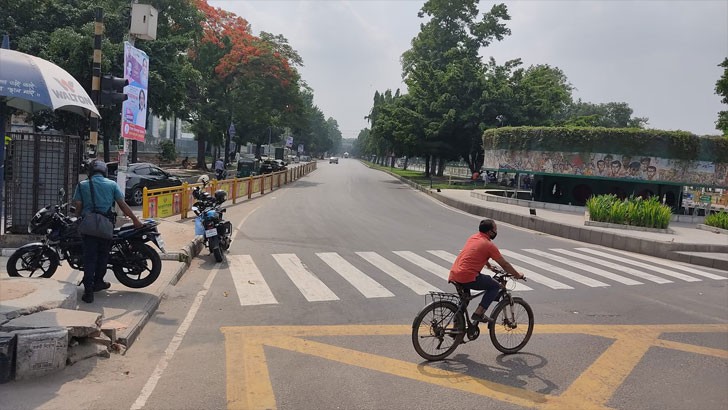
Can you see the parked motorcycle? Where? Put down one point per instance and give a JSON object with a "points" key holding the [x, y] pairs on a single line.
{"points": [[134, 263], [216, 232]]}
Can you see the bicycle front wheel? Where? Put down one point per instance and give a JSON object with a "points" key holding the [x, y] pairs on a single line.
{"points": [[437, 330], [512, 327]]}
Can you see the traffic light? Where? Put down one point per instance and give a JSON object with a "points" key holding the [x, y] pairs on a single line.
{"points": [[112, 90]]}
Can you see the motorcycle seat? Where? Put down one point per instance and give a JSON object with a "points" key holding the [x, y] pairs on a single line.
{"points": [[125, 227]]}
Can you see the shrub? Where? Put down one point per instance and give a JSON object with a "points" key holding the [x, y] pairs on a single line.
{"points": [[167, 151], [632, 211], [718, 219]]}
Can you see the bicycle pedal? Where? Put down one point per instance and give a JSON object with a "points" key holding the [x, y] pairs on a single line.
{"points": [[473, 332]]}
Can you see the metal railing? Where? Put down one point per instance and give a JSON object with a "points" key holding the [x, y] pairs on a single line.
{"points": [[166, 202], [36, 167]]}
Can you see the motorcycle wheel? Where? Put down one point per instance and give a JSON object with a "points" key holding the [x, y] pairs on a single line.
{"points": [[218, 254], [138, 266], [38, 260]]}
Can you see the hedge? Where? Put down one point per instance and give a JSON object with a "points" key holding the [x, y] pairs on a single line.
{"points": [[627, 141]]}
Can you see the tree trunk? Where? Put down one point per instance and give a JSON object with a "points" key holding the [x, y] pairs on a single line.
{"points": [[440, 166], [427, 166], [404, 166], [201, 155]]}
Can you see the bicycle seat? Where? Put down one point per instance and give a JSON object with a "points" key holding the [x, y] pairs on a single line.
{"points": [[463, 292]]}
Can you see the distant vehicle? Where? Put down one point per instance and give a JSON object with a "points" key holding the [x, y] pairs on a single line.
{"points": [[346, 155], [334, 160], [305, 158], [141, 175], [272, 165]]}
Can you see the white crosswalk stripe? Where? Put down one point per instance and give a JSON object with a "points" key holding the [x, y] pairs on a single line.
{"points": [[674, 265], [555, 269], [449, 257], [667, 272], [417, 285], [425, 264], [252, 288], [249, 282], [537, 277], [363, 283], [612, 265], [312, 288], [585, 267]]}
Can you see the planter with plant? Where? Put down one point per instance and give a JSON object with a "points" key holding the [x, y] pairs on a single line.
{"points": [[634, 211], [717, 219]]}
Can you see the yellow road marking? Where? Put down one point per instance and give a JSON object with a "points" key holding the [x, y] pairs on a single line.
{"points": [[245, 361], [412, 371], [249, 385], [596, 385], [707, 351]]}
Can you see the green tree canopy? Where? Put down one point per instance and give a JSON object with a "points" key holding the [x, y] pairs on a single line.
{"points": [[721, 88]]}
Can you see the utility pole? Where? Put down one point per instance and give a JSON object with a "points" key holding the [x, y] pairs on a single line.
{"points": [[96, 82]]}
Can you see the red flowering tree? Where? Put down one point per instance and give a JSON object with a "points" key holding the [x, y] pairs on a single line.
{"points": [[247, 80]]}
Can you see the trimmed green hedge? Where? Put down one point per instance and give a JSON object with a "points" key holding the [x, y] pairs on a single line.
{"points": [[627, 141]]}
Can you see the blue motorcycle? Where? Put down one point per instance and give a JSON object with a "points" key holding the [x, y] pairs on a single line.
{"points": [[217, 232]]}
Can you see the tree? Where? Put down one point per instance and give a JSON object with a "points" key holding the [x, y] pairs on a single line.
{"points": [[62, 32], [247, 80], [444, 75], [721, 88], [608, 115]]}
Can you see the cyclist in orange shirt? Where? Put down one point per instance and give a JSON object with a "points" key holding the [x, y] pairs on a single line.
{"points": [[476, 253]]}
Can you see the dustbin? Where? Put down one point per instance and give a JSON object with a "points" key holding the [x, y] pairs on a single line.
{"points": [[8, 342]]}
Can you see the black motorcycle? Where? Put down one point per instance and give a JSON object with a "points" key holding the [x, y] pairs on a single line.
{"points": [[221, 174], [134, 263], [209, 223]]}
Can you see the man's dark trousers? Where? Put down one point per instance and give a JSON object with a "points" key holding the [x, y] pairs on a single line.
{"points": [[95, 257]]}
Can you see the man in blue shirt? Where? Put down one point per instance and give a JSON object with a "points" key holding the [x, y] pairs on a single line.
{"points": [[96, 250]]}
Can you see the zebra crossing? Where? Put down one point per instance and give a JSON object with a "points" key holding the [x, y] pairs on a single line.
{"points": [[418, 273]]}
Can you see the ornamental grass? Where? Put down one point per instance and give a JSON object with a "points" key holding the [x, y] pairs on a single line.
{"points": [[649, 213], [717, 219]]}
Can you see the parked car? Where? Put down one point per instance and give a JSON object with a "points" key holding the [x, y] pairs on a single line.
{"points": [[282, 165], [334, 160], [269, 165], [141, 175]]}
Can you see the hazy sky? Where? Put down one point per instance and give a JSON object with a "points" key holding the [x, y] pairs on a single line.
{"points": [[660, 57]]}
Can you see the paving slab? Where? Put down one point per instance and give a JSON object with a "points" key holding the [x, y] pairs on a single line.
{"points": [[23, 296], [78, 323]]}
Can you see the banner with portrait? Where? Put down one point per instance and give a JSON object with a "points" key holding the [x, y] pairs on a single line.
{"points": [[134, 109]]}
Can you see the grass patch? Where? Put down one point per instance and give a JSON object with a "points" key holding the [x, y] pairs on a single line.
{"points": [[717, 219], [443, 182], [649, 213]]}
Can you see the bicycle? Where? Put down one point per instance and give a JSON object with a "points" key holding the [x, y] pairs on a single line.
{"points": [[444, 322]]}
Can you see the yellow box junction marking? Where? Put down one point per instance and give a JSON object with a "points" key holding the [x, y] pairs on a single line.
{"points": [[249, 385]]}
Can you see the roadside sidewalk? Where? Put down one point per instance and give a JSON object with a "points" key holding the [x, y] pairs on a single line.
{"points": [[685, 242]]}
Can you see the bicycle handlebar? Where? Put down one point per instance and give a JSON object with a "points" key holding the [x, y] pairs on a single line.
{"points": [[500, 273]]}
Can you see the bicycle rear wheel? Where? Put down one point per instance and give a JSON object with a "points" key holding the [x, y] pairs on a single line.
{"points": [[437, 330], [512, 327]]}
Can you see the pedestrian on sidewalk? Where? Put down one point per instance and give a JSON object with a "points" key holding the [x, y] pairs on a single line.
{"points": [[96, 250]]}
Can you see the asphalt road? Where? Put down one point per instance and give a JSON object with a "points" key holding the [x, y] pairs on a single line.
{"points": [[312, 310]]}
